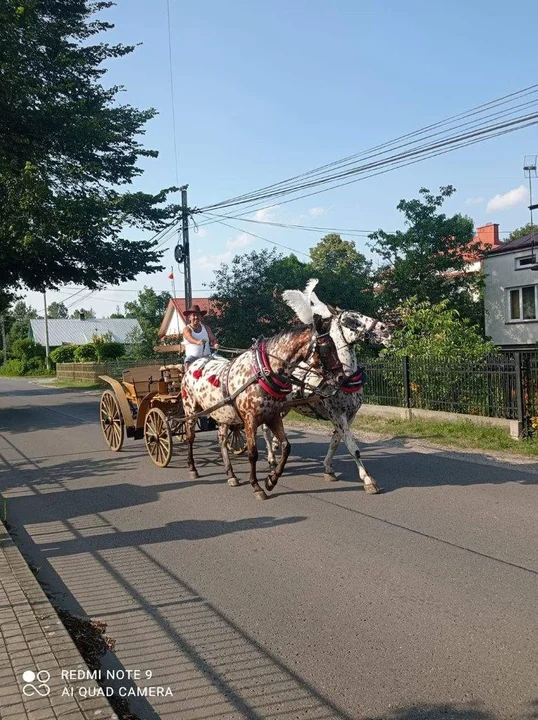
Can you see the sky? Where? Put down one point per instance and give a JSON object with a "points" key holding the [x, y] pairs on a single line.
{"points": [[267, 90]]}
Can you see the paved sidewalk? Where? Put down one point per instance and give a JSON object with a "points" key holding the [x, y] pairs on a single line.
{"points": [[33, 640]]}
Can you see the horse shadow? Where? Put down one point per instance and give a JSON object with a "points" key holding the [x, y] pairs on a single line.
{"points": [[396, 467]]}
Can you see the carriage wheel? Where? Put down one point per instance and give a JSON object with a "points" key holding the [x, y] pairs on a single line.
{"points": [[236, 441], [158, 437], [111, 421]]}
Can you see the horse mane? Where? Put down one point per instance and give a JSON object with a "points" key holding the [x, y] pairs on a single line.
{"points": [[291, 332]]}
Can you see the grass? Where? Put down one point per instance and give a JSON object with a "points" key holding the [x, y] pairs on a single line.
{"points": [[461, 435], [76, 384]]}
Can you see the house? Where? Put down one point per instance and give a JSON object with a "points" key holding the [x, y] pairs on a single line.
{"points": [[511, 293], [81, 332], [174, 321]]}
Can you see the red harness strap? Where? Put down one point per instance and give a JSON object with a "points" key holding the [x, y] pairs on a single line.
{"points": [[267, 379], [353, 383]]}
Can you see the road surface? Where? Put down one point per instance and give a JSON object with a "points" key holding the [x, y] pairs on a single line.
{"points": [[322, 602]]}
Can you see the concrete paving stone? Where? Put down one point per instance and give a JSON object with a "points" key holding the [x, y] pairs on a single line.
{"points": [[46, 714]]}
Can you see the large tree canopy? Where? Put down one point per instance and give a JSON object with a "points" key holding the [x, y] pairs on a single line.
{"points": [[66, 147], [428, 260], [247, 292]]}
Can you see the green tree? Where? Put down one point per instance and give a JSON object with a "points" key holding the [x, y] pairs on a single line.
{"points": [[521, 232], [148, 309], [345, 274], [434, 330], [57, 311], [67, 146], [83, 314], [427, 260], [18, 321]]}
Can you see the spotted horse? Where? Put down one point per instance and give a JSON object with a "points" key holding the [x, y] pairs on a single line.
{"points": [[252, 388], [347, 328]]}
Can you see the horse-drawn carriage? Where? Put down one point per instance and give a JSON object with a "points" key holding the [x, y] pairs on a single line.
{"points": [[147, 404]]}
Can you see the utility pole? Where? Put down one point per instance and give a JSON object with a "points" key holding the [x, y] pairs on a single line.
{"points": [[186, 249], [4, 342], [47, 347]]}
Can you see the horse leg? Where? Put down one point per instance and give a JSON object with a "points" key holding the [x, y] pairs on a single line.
{"points": [[337, 435], [370, 484], [223, 436], [190, 424], [269, 439], [252, 449], [277, 427]]}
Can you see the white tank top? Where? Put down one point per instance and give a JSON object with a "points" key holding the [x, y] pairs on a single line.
{"points": [[192, 350]]}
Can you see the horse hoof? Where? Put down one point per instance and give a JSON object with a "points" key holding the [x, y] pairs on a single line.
{"points": [[330, 477], [193, 474], [233, 482], [260, 495], [373, 489]]}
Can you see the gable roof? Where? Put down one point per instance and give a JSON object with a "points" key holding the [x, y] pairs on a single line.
{"points": [[81, 332], [174, 314], [526, 241]]}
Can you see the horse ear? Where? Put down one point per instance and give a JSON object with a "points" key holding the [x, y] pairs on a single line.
{"points": [[334, 310], [319, 324]]}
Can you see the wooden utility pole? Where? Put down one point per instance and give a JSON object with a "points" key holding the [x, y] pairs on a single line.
{"points": [[186, 248], [47, 347], [4, 341]]}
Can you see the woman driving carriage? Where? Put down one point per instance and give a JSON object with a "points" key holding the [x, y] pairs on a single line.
{"points": [[197, 337]]}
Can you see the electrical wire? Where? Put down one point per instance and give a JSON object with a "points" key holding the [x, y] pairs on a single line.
{"points": [[479, 129]]}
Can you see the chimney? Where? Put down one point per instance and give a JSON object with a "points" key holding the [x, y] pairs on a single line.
{"points": [[488, 236]]}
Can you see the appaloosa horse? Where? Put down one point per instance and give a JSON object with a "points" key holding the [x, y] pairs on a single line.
{"points": [[347, 328], [252, 388]]}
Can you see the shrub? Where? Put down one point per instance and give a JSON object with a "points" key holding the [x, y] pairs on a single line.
{"points": [[35, 366], [86, 353], [25, 349], [109, 351], [13, 367], [63, 354]]}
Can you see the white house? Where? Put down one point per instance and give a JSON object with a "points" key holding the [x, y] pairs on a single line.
{"points": [[80, 332], [511, 293]]}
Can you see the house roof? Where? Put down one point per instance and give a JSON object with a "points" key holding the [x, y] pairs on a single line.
{"points": [[80, 332], [526, 241]]}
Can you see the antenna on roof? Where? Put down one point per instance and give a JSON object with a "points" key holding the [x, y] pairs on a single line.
{"points": [[529, 168]]}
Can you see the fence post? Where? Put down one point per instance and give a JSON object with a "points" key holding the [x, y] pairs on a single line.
{"points": [[407, 385], [520, 407]]}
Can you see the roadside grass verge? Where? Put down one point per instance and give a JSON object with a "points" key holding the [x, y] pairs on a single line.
{"points": [[76, 385], [460, 435]]}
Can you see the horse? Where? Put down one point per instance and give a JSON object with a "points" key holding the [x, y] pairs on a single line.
{"points": [[347, 328], [251, 389]]}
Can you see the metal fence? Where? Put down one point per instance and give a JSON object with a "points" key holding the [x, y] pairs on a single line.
{"points": [[504, 386]]}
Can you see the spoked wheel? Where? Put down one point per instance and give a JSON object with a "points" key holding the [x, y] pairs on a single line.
{"points": [[112, 423], [158, 437], [236, 442]]}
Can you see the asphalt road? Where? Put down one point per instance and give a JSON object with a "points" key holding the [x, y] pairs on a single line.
{"points": [[322, 602]]}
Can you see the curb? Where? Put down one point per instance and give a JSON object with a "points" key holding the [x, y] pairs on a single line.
{"points": [[33, 638]]}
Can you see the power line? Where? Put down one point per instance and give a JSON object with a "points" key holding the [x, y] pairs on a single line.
{"points": [[292, 226], [477, 131], [172, 88]]}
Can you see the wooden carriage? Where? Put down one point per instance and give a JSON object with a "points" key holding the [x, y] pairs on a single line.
{"points": [[147, 404]]}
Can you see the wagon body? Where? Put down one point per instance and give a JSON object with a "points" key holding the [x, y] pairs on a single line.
{"points": [[147, 404]]}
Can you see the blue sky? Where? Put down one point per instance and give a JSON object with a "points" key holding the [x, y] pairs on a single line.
{"points": [[266, 90]]}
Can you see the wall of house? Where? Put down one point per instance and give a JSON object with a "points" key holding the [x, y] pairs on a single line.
{"points": [[176, 325], [500, 276]]}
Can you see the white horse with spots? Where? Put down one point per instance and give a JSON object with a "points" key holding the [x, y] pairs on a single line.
{"points": [[347, 328]]}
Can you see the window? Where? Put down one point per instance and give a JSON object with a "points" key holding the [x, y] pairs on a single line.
{"points": [[523, 303], [525, 262]]}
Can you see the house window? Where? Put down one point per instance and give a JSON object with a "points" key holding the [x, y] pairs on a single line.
{"points": [[525, 262], [523, 303]]}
